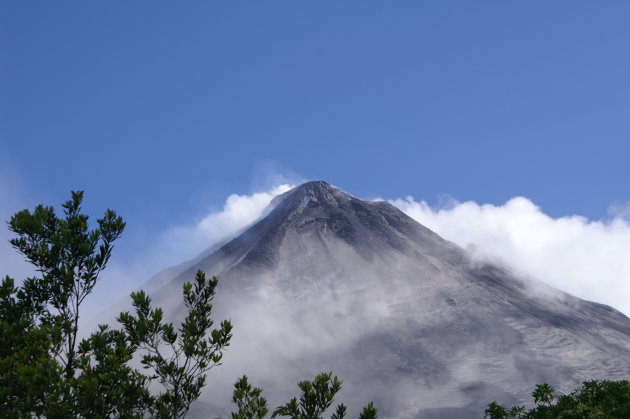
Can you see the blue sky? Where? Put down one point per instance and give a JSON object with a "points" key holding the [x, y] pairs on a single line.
{"points": [[160, 110]]}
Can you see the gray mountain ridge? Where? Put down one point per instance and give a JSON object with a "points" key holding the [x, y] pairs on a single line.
{"points": [[328, 282]]}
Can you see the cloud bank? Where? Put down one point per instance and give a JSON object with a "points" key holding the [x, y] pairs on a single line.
{"points": [[589, 259], [181, 243]]}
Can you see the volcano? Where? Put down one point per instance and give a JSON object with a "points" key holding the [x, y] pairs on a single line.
{"points": [[325, 281]]}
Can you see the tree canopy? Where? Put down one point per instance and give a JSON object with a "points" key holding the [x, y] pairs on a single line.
{"points": [[593, 399]]}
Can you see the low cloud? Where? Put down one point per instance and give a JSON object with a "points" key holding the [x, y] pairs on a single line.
{"points": [[181, 243], [589, 259]]}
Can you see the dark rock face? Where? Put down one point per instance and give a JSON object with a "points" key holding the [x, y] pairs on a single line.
{"points": [[326, 281]]}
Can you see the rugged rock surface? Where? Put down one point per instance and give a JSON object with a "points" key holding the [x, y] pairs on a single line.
{"points": [[328, 282]]}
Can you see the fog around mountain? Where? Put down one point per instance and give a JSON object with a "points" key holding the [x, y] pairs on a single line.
{"points": [[326, 281], [583, 257], [587, 258]]}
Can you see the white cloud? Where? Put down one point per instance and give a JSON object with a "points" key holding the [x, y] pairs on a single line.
{"points": [[238, 212], [180, 243], [589, 259]]}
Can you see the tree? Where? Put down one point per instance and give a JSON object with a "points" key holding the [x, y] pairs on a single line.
{"points": [[544, 394], [103, 370], [45, 371], [248, 400], [180, 359], [317, 396], [593, 399], [29, 375], [40, 318], [69, 258]]}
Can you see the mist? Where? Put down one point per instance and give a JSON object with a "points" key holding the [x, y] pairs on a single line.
{"points": [[178, 244], [586, 258]]}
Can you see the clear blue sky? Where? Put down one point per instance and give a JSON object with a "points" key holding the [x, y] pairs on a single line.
{"points": [[160, 109]]}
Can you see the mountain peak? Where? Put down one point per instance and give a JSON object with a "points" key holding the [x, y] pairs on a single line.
{"points": [[310, 191], [317, 212], [315, 185]]}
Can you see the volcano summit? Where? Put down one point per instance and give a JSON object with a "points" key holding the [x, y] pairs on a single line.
{"points": [[328, 282]]}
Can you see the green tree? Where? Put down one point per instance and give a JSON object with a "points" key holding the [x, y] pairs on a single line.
{"points": [[317, 396], [45, 371], [248, 400], [104, 372], [495, 411], [40, 318], [29, 374], [69, 257], [544, 394], [369, 412], [180, 359], [593, 399]]}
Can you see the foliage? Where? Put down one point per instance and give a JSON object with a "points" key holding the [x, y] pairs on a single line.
{"points": [[593, 399], [40, 318], [179, 360], [29, 375], [544, 394], [104, 371], [45, 371], [69, 258], [317, 396], [248, 400], [369, 412]]}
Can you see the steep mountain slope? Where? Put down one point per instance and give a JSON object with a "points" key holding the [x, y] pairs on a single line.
{"points": [[326, 281]]}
